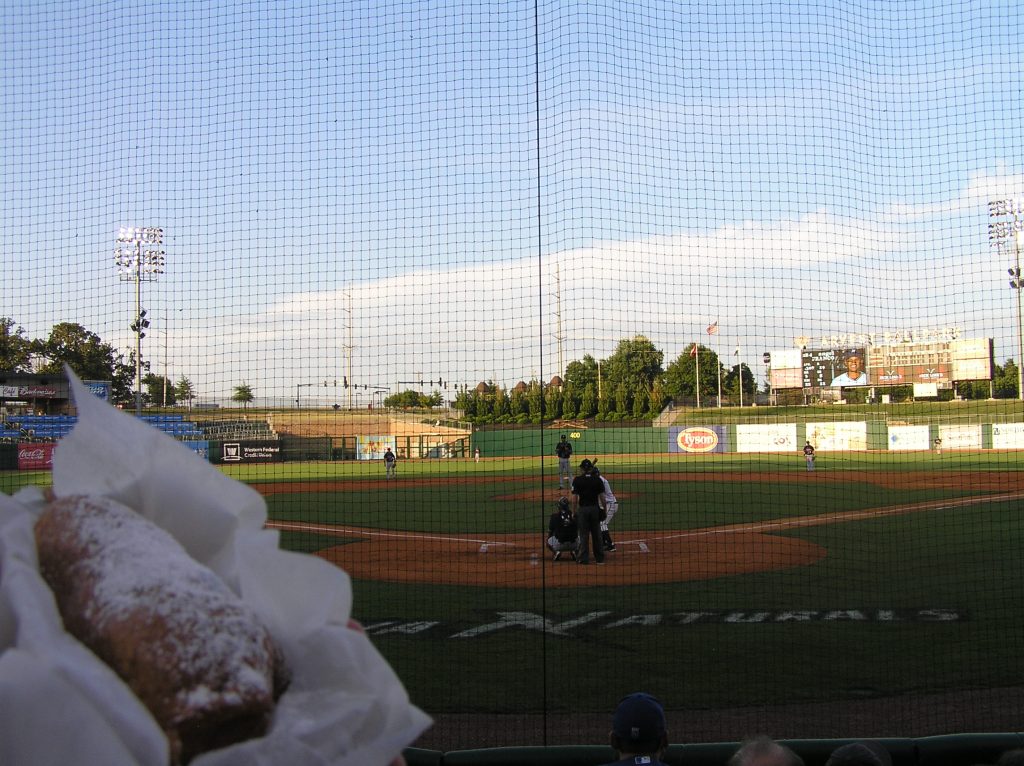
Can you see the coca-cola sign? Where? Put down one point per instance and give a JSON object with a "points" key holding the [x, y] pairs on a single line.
{"points": [[35, 457]]}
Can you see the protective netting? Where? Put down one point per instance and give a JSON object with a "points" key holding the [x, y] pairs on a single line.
{"points": [[461, 230]]}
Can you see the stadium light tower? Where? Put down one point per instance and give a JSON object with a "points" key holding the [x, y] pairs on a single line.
{"points": [[348, 349], [139, 260], [1003, 235]]}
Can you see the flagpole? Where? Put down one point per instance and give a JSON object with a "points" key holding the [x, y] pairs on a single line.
{"points": [[718, 365], [739, 371], [696, 357], [712, 329]]}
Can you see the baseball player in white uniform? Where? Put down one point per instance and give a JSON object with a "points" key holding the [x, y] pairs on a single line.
{"points": [[609, 504]]}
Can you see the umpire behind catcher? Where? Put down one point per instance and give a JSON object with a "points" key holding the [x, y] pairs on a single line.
{"points": [[587, 488]]}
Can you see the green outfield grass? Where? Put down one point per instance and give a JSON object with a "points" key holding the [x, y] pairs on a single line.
{"points": [[918, 602], [899, 605]]}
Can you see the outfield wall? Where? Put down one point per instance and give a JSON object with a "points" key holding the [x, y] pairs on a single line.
{"points": [[839, 436]]}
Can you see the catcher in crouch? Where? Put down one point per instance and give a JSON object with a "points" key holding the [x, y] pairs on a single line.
{"points": [[562, 532]]}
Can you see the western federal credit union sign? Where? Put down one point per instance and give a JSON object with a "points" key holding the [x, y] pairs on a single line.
{"points": [[697, 439]]}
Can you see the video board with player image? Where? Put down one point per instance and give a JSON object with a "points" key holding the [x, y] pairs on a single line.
{"points": [[834, 367], [939, 362]]}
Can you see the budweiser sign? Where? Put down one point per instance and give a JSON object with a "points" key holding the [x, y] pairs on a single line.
{"points": [[35, 457], [38, 392]]}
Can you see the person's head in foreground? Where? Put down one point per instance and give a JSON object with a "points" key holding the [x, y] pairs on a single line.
{"points": [[1011, 758], [764, 751], [865, 753], [638, 726]]}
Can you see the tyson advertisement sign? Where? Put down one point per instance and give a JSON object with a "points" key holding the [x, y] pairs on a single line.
{"points": [[697, 439], [35, 457]]}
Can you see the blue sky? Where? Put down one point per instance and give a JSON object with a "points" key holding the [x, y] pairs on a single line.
{"points": [[460, 171]]}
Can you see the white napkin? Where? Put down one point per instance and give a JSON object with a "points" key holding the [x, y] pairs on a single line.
{"points": [[59, 704]]}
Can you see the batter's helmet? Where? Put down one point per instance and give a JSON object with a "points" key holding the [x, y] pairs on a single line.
{"points": [[563, 503]]}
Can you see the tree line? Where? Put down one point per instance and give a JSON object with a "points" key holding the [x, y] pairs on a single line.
{"points": [[90, 358], [631, 384]]}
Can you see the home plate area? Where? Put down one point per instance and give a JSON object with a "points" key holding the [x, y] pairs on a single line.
{"points": [[524, 561]]}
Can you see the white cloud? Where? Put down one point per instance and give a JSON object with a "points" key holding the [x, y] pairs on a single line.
{"points": [[765, 283]]}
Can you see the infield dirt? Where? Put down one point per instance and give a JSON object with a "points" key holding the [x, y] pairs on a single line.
{"points": [[642, 557]]}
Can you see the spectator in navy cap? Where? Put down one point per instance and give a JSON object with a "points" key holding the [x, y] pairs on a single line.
{"points": [[638, 731]]}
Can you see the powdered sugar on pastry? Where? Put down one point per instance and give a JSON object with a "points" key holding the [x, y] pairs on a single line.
{"points": [[195, 655]]}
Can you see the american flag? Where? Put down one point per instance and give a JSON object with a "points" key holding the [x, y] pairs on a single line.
{"points": [[713, 328], [693, 351]]}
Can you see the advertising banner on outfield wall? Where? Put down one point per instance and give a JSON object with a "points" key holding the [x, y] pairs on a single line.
{"points": [[698, 439], [372, 447], [35, 457], [907, 438], [250, 452], [1008, 436], [838, 437], [960, 437], [771, 437]]}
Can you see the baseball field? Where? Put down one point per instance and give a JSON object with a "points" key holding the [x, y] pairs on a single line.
{"points": [[880, 593], [876, 585]]}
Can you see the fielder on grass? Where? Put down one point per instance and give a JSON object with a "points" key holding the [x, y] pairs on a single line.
{"points": [[809, 456]]}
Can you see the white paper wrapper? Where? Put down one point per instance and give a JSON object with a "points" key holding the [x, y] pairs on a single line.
{"points": [[59, 704]]}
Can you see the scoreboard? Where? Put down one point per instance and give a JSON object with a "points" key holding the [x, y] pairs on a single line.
{"points": [[821, 366], [941, 362]]}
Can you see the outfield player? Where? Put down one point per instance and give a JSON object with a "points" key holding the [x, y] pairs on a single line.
{"points": [[809, 456], [390, 464], [564, 451], [609, 506]]}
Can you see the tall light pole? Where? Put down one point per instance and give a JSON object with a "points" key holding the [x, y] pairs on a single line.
{"points": [[138, 260], [167, 340], [348, 349], [1003, 235]]}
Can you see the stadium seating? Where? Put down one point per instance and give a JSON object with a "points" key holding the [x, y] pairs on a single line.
{"points": [[944, 750], [235, 430], [53, 427]]}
